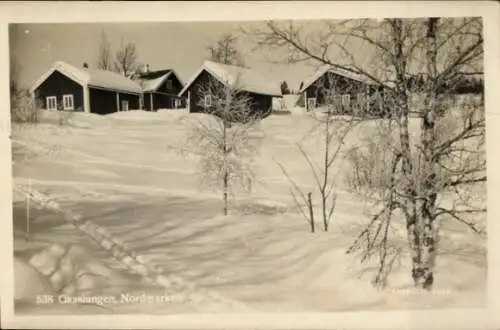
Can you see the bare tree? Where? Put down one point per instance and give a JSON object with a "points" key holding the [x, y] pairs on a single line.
{"points": [[225, 51], [224, 139], [126, 59], [23, 108], [14, 73], [446, 160], [104, 61], [333, 131]]}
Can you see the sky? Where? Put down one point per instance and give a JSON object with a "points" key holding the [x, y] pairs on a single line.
{"points": [[162, 45], [181, 46]]}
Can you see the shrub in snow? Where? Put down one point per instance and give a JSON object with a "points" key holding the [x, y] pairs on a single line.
{"points": [[23, 109]]}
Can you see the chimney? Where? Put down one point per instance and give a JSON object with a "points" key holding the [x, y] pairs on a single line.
{"points": [[147, 68], [85, 65]]}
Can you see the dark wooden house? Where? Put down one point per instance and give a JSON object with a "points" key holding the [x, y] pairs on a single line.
{"points": [[345, 91], [160, 90], [66, 87], [257, 88]]}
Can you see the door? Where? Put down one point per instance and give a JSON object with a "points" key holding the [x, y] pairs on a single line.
{"points": [[311, 103], [124, 105]]}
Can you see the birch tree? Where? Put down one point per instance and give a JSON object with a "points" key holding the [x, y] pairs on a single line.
{"points": [[104, 60], [440, 172], [126, 59], [224, 139], [225, 51]]}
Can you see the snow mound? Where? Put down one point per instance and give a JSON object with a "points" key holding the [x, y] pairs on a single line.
{"points": [[173, 114], [164, 115], [87, 120], [202, 118], [71, 270], [133, 115], [294, 110], [29, 282], [290, 100]]}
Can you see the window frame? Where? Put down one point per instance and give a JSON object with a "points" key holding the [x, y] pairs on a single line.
{"points": [[169, 84], [345, 97], [68, 97], [207, 97], [48, 99]]}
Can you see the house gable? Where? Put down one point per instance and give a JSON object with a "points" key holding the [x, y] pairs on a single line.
{"points": [[337, 84], [202, 80], [245, 79], [57, 84]]}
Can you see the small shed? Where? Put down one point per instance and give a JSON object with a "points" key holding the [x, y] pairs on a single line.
{"points": [[160, 90]]}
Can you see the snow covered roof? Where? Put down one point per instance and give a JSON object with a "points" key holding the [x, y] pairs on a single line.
{"points": [[92, 77], [246, 79], [153, 84], [341, 72]]}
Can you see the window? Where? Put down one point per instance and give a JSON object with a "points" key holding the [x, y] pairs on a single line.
{"points": [[346, 100], [124, 105], [68, 102], [169, 84], [51, 103], [208, 100], [311, 103], [337, 99]]}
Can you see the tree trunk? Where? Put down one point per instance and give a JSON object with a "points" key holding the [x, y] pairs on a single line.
{"points": [[225, 178], [325, 174], [413, 220], [311, 211], [429, 229], [225, 192]]}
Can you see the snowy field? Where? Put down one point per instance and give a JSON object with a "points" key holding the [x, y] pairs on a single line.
{"points": [[125, 172]]}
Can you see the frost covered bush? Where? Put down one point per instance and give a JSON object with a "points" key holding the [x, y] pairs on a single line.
{"points": [[23, 108]]}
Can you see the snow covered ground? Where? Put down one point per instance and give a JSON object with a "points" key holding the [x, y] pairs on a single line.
{"points": [[125, 172]]}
